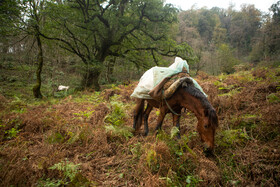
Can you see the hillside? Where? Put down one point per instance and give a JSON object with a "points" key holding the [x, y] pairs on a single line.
{"points": [[86, 139]]}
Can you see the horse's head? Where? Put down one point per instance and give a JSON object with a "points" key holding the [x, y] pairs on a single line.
{"points": [[192, 98], [206, 127]]}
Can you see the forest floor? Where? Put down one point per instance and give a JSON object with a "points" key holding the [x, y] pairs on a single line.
{"points": [[86, 139]]}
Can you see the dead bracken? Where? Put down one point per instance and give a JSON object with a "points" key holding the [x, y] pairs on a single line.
{"points": [[36, 139]]}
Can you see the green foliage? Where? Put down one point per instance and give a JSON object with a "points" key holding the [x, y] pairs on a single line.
{"points": [[13, 130], [206, 24], [273, 98], [56, 137], [116, 28], [83, 97], [218, 32], [117, 115], [181, 166], [115, 119], [245, 77], [229, 138], [244, 26], [230, 93], [18, 105], [174, 132], [192, 181], [60, 94], [226, 58], [10, 11], [85, 114], [68, 168], [12, 133], [68, 172], [152, 159], [175, 147], [120, 131], [248, 121], [74, 136], [136, 150]]}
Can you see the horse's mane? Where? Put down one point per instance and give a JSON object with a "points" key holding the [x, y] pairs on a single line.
{"points": [[209, 111]]}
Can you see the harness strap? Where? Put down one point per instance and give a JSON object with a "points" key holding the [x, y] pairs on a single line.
{"points": [[169, 105]]}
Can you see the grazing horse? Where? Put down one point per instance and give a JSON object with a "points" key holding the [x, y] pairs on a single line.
{"points": [[186, 96]]}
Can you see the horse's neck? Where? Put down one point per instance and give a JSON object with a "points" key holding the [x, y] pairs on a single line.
{"points": [[193, 104]]}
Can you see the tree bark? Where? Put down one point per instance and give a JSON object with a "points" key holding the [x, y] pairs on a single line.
{"points": [[91, 77], [110, 69], [5, 49], [37, 87]]}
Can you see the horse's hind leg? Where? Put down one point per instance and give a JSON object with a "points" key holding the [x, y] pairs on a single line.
{"points": [[146, 117]]}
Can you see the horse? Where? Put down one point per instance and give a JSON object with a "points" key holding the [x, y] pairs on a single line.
{"points": [[186, 96]]}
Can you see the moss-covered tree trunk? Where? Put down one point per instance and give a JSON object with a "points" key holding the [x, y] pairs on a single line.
{"points": [[91, 76], [93, 70], [37, 87], [110, 69]]}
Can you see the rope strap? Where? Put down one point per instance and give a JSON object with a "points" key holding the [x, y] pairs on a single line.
{"points": [[169, 105]]}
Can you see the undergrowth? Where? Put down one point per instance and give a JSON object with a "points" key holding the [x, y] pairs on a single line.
{"points": [[86, 138]]}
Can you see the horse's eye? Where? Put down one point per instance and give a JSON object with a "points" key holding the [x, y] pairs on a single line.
{"points": [[205, 126]]}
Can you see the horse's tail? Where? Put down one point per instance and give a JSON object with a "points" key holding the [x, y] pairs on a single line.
{"points": [[138, 114]]}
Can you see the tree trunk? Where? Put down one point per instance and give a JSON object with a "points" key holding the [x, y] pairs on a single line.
{"points": [[37, 87], [5, 49], [90, 78], [110, 69]]}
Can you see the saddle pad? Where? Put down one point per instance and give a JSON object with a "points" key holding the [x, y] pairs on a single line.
{"points": [[155, 75]]}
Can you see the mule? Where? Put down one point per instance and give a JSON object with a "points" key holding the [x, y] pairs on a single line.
{"points": [[186, 96]]}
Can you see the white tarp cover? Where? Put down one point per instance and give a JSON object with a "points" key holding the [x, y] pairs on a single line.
{"points": [[155, 75]]}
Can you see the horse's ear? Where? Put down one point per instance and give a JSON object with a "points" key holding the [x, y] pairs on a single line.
{"points": [[184, 84]]}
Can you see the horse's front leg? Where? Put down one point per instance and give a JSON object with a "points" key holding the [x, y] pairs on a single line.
{"points": [[176, 121], [146, 117], [137, 114], [163, 111]]}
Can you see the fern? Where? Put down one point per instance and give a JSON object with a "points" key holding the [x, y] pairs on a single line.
{"points": [[121, 131], [174, 132], [69, 169]]}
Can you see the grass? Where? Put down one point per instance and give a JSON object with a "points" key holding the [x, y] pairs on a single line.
{"points": [[86, 139]]}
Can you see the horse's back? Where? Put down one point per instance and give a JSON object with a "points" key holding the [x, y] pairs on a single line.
{"points": [[153, 103]]}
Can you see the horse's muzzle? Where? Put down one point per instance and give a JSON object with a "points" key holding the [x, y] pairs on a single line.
{"points": [[208, 150]]}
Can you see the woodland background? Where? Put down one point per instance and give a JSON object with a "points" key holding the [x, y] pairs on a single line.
{"points": [[100, 48], [87, 43]]}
